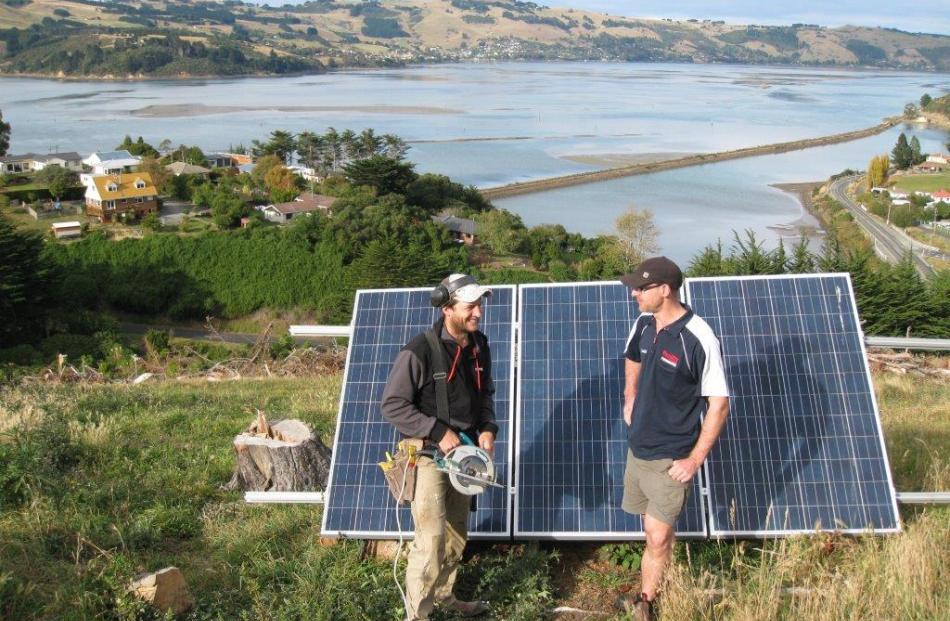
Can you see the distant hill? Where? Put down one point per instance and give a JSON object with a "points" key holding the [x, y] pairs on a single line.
{"points": [[170, 38]]}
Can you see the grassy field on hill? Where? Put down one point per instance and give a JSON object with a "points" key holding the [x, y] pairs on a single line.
{"points": [[100, 482], [923, 183]]}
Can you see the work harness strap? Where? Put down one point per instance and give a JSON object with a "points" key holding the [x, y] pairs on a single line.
{"points": [[440, 376]]}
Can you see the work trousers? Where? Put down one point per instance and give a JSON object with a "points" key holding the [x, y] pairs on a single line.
{"points": [[441, 516]]}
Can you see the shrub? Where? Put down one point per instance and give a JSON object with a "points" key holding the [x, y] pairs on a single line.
{"points": [[74, 346], [157, 342]]}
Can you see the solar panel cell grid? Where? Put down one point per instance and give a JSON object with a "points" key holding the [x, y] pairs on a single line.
{"points": [[358, 503], [803, 446], [571, 436]]}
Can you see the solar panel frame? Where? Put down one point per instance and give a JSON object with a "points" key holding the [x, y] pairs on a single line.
{"points": [[718, 531], [404, 512], [698, 490]]}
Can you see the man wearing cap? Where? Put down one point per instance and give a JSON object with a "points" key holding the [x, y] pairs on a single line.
{"points": [[675, 405], [409, 402]]}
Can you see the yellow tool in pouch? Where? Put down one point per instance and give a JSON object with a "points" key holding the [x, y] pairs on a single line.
{"points": [[400, 470]]}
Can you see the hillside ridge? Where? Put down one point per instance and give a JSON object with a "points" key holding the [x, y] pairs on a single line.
{"points": [[175, 38]]}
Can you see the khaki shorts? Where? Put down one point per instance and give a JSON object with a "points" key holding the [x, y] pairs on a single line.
{"points": [[649, 488]]}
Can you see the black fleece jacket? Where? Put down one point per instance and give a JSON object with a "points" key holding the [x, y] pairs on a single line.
{"points": [[409, 401]]}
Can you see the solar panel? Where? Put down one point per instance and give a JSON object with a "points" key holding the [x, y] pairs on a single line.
{"points": [[358, 503], [572, 443], [802, 449]]}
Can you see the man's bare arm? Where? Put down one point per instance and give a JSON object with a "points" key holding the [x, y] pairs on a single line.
{"points": [[631, 375], [683, 470]]}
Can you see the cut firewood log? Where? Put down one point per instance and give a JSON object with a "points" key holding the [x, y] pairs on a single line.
{"points": [[283, 456]]}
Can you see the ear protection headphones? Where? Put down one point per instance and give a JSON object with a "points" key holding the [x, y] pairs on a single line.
{"points": [[441, 295]]}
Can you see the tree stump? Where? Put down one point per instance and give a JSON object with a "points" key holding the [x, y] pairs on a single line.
{"points": [[284, 456]]}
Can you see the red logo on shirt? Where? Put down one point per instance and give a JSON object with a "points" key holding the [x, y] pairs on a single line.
{"points": [[669, 358]]}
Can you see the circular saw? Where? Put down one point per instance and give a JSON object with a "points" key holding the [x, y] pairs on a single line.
{"points": [[471, 470]]}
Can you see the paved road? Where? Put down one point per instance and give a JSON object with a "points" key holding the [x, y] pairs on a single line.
{"points": [[891, 243]]}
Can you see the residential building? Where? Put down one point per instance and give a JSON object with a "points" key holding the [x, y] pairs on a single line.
{"points": [[183, 168], [65, 230], [110, 196], [939, 158], [306, 203], [929, 166], [308, 174], [109, 162], [941, 195], [17, 163], [228, 160], [462, 229], [32, 161], [69, 160]]}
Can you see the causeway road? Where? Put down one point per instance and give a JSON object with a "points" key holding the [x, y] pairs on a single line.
{"points": [[890, 243], [542, 185]]}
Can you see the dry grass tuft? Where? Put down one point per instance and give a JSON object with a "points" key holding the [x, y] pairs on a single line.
{"points": [[823, 578]]}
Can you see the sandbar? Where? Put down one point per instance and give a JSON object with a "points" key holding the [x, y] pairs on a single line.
{"points": [[194, 109], [618, 160]]}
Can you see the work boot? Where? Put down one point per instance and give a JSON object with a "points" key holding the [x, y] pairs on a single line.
{"points": [[637, 606], [465, 609]]}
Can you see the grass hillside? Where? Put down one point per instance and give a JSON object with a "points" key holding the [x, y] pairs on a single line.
{"points": [[100, 482], [173, 37]]}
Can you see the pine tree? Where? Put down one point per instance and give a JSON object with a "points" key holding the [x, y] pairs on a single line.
{"points": [[902, 154], [24, 282], [916, 156], [779, 259], [899, 303], [832, 257], [749, 256], [938, 307], [709, 262], [4, 135], [802, 261]]}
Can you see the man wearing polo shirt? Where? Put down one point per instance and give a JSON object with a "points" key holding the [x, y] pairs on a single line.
{"points": [[675, 405]]}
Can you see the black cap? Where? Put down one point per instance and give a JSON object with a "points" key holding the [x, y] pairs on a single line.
{"points": [[654, 270]]}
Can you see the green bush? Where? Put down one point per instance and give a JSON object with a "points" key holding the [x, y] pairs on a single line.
{"points": [[624, 555], [20, 355], [157, 342], [74, 346]]}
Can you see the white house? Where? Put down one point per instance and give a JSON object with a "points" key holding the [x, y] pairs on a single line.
{"points": [[34, 161], [69, 160], [939, 158], [305, 203], [308, 174], [112, 162]]}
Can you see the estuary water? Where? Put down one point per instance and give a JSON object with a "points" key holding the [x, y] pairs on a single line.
{"points": [[491, 124]]}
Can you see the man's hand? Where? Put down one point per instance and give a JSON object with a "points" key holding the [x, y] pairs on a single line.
{"points": [[449, 441], [486, 442], [628, 411], [683, 470]]}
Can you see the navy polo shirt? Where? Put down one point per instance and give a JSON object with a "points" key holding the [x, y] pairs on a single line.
{"points": [[679, 367]]}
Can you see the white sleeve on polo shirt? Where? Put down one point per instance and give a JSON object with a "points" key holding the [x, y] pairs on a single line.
{"points": [[712, 382]]}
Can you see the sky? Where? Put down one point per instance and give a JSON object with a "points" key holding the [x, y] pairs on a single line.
{"points": [[929, 16]]}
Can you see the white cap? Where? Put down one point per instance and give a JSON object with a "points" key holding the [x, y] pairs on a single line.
{"points": [[469, 293]]}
